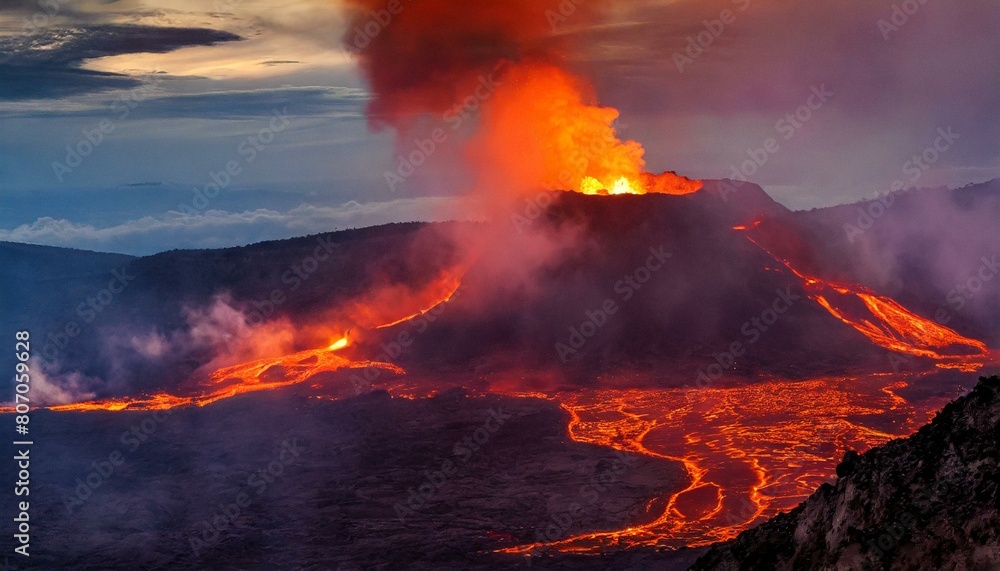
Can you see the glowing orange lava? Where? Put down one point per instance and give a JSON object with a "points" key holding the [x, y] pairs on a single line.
{"points": [[339, 344], [273, 373], [749, 451], [449, 288], [646, 183], [621, 185], [886, 323], [263, 374]]}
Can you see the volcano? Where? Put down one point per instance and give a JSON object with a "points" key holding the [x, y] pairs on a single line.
{"points": [[705, 287], [671, 283], [713, 335]]}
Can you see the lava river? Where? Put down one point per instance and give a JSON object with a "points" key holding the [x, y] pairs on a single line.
{"points": [[750, 451]]}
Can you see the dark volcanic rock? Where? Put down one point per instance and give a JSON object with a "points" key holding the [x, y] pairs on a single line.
{"points": [[681, 282], [929, 501], [493, 470]]}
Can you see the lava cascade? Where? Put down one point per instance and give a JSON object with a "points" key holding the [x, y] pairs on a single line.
{"points": [[887, 324]]}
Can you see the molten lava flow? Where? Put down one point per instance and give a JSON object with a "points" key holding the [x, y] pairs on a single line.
{"points": [[293, 369], [263, 374], [447, 291], [750, 451], [340, 344], [888, 324], [383, 306]]}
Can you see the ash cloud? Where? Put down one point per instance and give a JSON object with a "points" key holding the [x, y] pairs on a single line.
{"points": [[430, 54]]}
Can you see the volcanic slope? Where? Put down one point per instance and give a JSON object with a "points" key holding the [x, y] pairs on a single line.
{"points": [[634, 283]]}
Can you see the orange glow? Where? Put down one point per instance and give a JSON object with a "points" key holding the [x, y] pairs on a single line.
{"points": [[445, 292], [390, 305], [543, 129], [750, 451], [666, 183], [260, 375], [339, 344], [887, 324], [274, 373], [590, 185]]}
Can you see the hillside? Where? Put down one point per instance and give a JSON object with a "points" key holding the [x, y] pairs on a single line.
{"points": [[683, 283]]}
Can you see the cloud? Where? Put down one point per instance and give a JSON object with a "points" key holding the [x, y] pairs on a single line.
{"points": [[218, 229], [46, 64], [312, 101]]}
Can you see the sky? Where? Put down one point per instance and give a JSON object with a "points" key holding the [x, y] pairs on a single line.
{"points": [[117, 117]]}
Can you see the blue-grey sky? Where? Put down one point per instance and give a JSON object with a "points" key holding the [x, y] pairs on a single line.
{"points": [[185, 89]]}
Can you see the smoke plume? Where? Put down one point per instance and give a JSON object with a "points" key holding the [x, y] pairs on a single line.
{"points": [[496, 72]]}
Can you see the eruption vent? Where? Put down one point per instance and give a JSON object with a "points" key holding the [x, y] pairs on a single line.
{"points": [[496, 66]]}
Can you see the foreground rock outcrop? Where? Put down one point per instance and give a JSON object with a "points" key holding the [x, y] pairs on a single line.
{"points": [[929, 501]]}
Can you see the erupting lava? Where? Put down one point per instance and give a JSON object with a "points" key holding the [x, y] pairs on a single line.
{"points": [[526, 120], [749, 451], [665, 183], [590, 185], [543, 129], [340, 344]]}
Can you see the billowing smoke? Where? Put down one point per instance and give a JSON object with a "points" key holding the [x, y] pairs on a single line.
{"points": [[426, 57], [495, 72], [497, 81]]}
